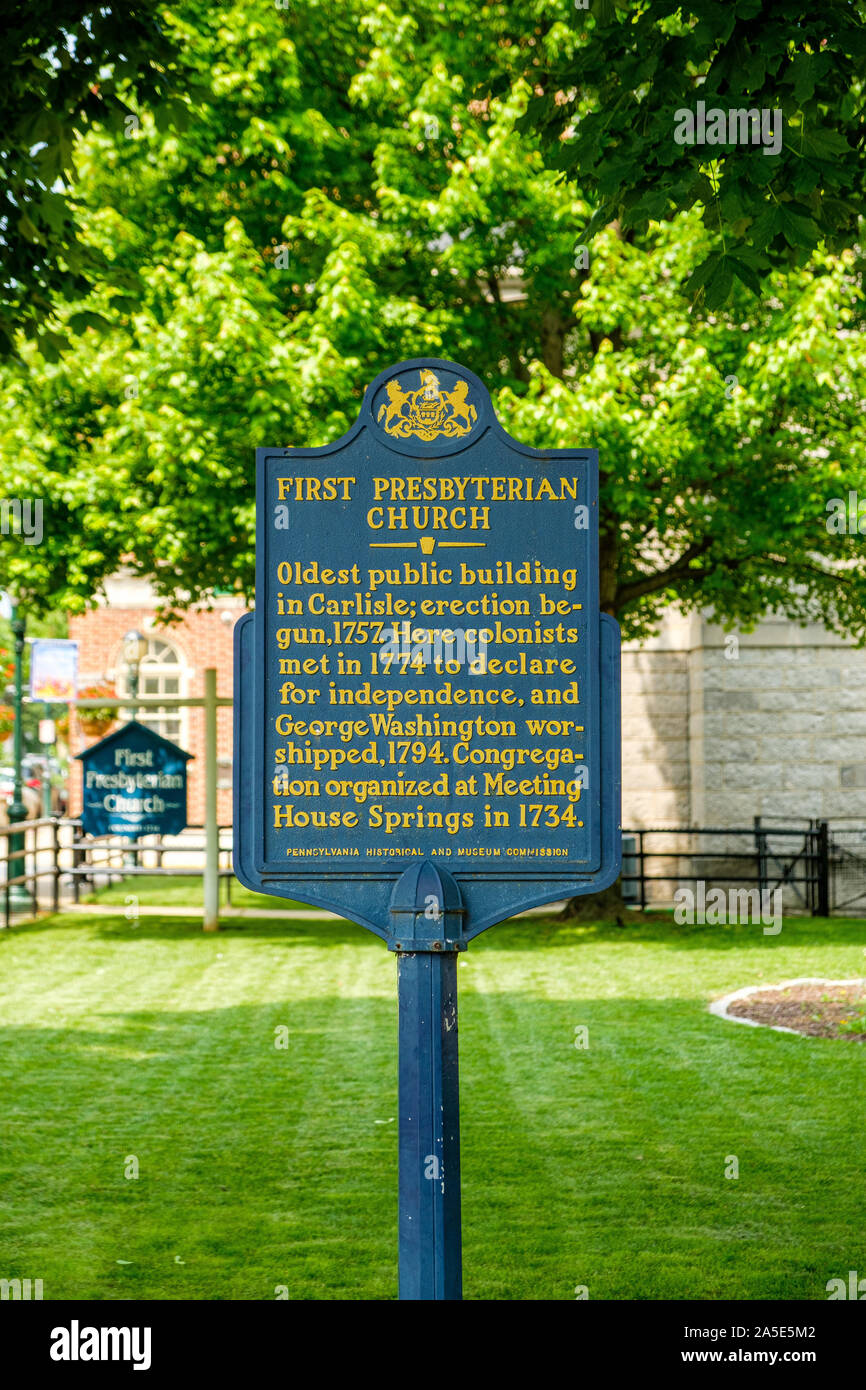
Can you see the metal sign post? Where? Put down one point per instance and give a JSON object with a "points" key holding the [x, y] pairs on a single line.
{"points": [[427, 718], [427, 914]]}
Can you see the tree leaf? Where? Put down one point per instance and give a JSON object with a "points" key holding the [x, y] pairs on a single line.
{"points": [[718, 286]]}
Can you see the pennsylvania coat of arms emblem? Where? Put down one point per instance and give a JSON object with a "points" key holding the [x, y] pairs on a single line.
{"points": [[427, 412]]}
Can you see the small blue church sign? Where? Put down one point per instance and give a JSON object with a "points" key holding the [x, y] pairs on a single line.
{"points": [[134, 783]]}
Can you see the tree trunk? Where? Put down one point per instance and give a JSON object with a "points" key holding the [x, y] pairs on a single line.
{"points": [[606, 906], [552, 339], [608, 569]]}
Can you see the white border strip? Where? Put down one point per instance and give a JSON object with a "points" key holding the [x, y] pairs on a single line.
{"points": [[719, 1007]]}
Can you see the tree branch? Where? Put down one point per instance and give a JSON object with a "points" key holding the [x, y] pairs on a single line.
{"points": [[651, 583]]}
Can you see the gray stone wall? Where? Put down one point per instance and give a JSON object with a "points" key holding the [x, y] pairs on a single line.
{"points": [[719, 728], [655, 729], [716, 732], [779, 729]]}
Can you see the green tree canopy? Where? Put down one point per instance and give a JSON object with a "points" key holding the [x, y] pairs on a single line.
{"points": [[343, 200], [610, 79], [66, 66]]}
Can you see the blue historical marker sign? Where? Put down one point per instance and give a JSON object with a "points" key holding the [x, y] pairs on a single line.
{"points": [[427, 717], [134, 783], [427, 674]]}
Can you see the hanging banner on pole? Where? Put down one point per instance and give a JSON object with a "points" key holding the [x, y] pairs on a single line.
{"points": [[53, 670]]}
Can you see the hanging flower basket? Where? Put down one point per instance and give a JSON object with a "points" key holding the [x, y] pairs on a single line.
{"points": [[95, 723]]}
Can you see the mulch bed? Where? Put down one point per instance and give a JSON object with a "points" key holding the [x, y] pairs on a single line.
{"points": [[816, 1010]]}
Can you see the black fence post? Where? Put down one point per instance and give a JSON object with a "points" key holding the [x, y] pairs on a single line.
{"points": [[642, 871], [823, 903], [761, 851]]}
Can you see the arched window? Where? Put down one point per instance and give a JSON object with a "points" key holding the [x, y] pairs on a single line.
{"points": [[161, 673]]}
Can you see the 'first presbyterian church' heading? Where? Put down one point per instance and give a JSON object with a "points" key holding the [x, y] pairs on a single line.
{"points": [[442, 489], [438, 489]]}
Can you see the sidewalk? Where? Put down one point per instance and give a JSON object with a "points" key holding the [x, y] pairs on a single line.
{"points": [[275, 914]]}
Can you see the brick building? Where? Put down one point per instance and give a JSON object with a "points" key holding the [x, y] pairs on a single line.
{"points": [[178, 655]]}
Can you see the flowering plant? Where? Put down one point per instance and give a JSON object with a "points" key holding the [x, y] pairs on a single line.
{"points": [[96, 721]]}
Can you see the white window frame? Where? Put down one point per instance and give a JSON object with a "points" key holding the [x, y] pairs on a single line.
{"points": [[155, 718]]}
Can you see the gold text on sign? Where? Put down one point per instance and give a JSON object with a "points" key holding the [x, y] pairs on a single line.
{"points": [[465, 489], [429, 518]]}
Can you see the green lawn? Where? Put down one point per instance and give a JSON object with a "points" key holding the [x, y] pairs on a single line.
{"points": [[260, 1167], [156, 890]]}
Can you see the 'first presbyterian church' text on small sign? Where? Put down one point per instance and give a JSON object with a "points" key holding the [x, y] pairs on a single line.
{"points": [[134, 782]]}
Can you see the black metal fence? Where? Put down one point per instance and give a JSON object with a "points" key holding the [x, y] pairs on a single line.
{"points": [[847, 853], [800, 861]]}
